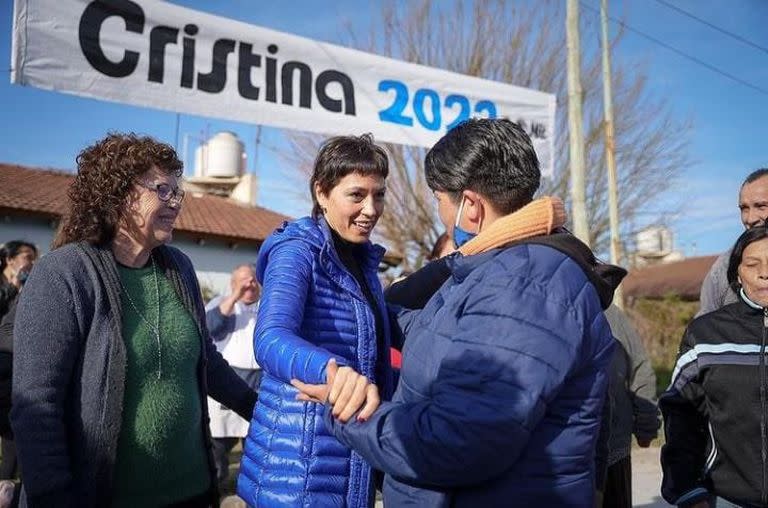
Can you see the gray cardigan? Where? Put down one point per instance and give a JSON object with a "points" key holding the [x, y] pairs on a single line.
{"points": [[69, 373]]}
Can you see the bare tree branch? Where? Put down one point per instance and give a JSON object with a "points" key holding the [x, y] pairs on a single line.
{"points": [[524, 45]]}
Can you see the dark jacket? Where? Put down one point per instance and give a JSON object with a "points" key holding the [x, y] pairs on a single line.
{"points": [[6, 369], [69, 373], [312, 309], [632, 389], [503, 382], [8, 294], [715, 410]]}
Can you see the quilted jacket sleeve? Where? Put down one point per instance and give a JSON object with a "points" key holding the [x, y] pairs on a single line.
{"points": [[460, 434], [280, 349]]}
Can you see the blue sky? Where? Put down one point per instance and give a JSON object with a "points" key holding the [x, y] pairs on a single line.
{"points": [[730, 127]]}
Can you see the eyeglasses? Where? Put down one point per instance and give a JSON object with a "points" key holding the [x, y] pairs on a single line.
{"points": [[165, 192]]}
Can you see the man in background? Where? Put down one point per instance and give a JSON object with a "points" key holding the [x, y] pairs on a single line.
{"points": [[753, 205], [231, 320]]}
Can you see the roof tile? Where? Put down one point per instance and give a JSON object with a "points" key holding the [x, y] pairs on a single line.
{"points": [[681, 278], [44, 191]]}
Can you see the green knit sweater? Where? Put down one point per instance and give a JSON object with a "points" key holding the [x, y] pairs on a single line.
{"points": [[161, 457]]}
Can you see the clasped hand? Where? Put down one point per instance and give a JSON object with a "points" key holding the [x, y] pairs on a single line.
{"points": [[346, 390]]}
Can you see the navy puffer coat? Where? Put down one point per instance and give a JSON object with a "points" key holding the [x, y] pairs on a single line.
{"points": [[501, 390], [311, 310]]}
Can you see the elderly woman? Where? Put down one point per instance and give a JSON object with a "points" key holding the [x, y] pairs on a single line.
{"points": [[113, 359], [715, 408], [321, 308]]}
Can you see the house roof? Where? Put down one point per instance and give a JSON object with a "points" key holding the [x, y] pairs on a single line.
{"points": [[44, 192], [679, 278]]}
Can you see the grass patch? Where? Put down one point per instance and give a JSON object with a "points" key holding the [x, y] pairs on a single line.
{"points": [[661, 324], [663, 378]]}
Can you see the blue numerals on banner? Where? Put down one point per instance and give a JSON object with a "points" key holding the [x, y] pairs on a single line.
{"points": [[427, 107]]}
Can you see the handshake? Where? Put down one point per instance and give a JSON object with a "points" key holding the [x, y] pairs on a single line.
{"points": [[345, 390]]}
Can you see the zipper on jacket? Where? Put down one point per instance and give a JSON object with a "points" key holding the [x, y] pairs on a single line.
{"points": [[764, 494]]}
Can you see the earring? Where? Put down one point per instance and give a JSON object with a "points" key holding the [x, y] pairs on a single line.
{"points": [[324, 209]]}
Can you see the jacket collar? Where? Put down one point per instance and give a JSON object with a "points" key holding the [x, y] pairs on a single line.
{"points": [[749, 301], [539, 217], [462, 266]]}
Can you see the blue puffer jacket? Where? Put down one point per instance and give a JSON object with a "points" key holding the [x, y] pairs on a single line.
{"points": [[502, 385], [311, 310]]}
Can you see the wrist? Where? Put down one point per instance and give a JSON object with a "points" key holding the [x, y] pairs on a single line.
{"points": [[227, 305]]}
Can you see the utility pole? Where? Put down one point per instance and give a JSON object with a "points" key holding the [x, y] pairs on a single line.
{"points": [[576, 137], [610, 148]]}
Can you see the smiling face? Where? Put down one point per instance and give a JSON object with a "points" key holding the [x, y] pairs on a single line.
{"points": [[148, 220], [753, 202], [753, 271], [354, 205]]}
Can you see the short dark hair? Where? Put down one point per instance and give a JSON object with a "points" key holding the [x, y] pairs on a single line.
{"points": [[747, 237], [11, 250], [342, 155], [755, 175], [494, 158]]}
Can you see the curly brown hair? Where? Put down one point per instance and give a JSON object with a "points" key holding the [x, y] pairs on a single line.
{"points": [[106, 173]]}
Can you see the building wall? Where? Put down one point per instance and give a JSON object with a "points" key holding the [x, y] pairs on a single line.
{"points": [[213, 260], [34, 230]]}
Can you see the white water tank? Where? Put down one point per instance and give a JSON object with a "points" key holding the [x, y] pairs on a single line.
{"points": [[222, 156], [654, 241]]}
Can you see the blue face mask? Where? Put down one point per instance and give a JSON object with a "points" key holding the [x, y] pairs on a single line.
{"points": [[461, 236]]}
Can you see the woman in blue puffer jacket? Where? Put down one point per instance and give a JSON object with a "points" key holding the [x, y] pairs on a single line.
{"points": [[321, 302]]}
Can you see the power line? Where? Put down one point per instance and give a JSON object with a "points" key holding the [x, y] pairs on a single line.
{"points": [[682, 53], [736, 36]]}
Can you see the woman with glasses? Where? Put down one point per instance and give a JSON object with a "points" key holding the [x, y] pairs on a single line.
{"points": [[113, 358]]}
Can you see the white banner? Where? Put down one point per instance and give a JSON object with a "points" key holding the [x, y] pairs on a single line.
{"points": [[159, 55]]}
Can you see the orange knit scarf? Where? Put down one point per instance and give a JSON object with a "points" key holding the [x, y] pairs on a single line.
{"points": [[539, 217]]}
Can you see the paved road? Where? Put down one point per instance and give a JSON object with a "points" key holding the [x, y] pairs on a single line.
{"points": [[646, 478]]}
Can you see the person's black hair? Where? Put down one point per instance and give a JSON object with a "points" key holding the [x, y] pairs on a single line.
{"points": [[755, 175], [11, 250], [342, 155], [493, 157], [438, 247], [747, 237]]}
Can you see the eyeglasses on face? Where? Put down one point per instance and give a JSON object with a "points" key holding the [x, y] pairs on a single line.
{"points": [[165, 192]]}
